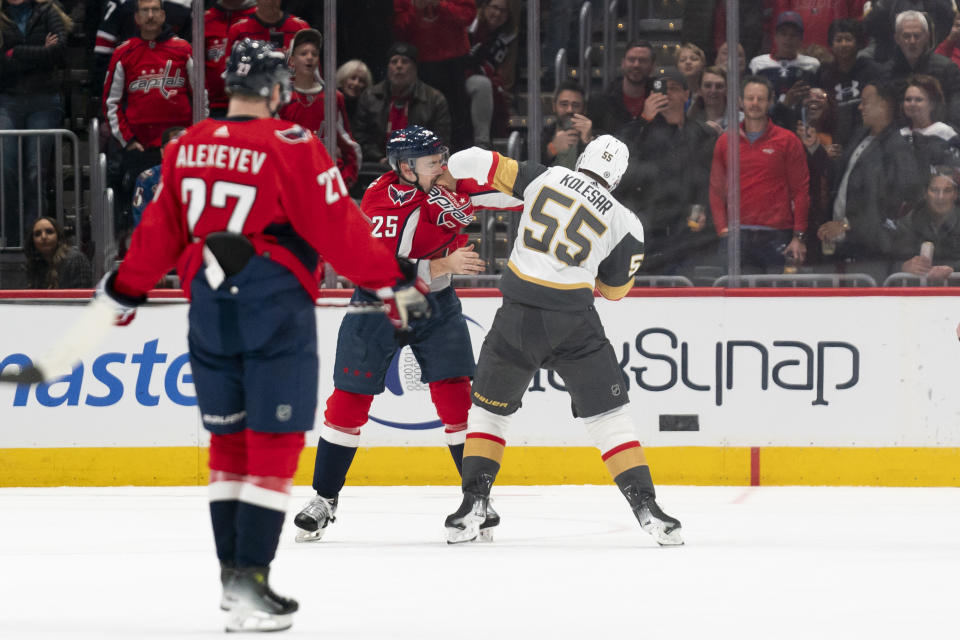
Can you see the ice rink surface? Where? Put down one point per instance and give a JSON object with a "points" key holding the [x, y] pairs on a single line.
{"points": [[567, 562]]}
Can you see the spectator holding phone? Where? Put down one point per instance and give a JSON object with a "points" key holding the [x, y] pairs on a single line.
{"points": [[568, 136]]}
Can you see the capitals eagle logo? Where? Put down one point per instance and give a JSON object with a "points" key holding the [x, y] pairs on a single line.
{"points": [[400, 196]]}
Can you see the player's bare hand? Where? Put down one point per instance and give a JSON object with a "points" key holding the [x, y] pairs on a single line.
{"points": [[446, 180], [463, 261], [134, 146], [51, 40], [466, 261]]}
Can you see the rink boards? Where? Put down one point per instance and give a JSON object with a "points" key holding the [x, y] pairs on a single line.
{"points": [[731, 387]]}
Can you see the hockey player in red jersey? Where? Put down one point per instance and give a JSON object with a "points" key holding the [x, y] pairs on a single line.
{"points": [[245, 237], [417, 218], [217, 21], [306, 106], [269, 23]]}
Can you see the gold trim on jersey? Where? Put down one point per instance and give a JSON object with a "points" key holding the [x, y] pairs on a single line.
{"points": [[547, 283], [505, 177], [611, 292]]}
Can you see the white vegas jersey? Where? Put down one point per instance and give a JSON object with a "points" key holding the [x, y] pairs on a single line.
{"points": [[573, 234]]}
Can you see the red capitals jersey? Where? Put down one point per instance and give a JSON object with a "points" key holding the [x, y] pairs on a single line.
{"points": [[148, 89], [414, 224], [280, 34], [306, 108], [268, 179], [217, 22]]}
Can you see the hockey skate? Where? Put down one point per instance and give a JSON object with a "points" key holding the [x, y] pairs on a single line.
{"points": [[226, 574], [253, 604], [314, 518], [474, 520], [664, 529]]}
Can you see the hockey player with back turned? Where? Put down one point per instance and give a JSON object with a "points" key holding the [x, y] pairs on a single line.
{"points": [[417, 213], [573, 236], [245, 237]]}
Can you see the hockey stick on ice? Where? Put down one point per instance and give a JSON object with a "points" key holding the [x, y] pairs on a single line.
{"points": [[92, 327]]}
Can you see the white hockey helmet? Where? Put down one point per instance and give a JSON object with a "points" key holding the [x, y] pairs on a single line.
{"points": [[607, 157]]}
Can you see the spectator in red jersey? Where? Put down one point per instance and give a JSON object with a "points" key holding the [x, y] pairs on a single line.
{"points": [[948, 48], [216, 24], [118, 24], [403, 99], [148, 90], [269, 23], [774, 185], [306, 106], [438, 29]]}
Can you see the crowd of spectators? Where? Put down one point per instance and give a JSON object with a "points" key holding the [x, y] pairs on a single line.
{"points": [[847, 124]]}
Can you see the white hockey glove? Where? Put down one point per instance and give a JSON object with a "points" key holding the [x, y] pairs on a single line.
{"points": [[408, 300], [124, 307]]}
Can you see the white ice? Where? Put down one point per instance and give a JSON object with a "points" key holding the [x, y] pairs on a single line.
{"points": [[568, 562]]}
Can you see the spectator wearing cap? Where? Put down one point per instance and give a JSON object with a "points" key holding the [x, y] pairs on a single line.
{"points": [[307, 104], [817, 16], [217, 21], [403, 99], [623, 101], [668, 176], [269, 23], [774, 185], [880, 23], [438, 29], [913, 56], [566, 138], [790, 72]]}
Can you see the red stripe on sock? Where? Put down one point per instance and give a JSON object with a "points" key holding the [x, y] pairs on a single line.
{"points": [[353, 431], [488, 436], [455, 428], [272, 483], [224, 476], [620, 447]]}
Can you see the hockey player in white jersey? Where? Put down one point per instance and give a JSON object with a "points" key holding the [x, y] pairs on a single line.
{"points": [[573, 237]]}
